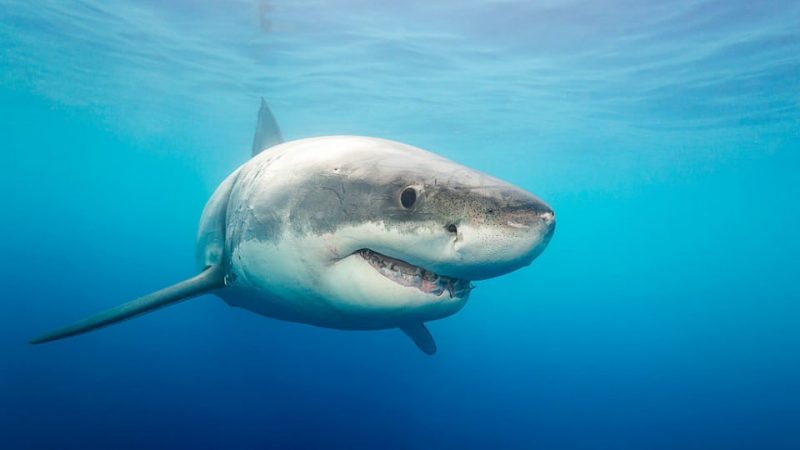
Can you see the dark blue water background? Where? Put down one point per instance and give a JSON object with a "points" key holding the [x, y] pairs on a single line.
{"points": [[664, 315]]}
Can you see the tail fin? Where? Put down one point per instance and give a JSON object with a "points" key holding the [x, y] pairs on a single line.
{"points": [[208, 280], [267, 132]]}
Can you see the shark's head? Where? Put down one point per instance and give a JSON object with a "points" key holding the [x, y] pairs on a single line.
{"points": [[380, 231]]}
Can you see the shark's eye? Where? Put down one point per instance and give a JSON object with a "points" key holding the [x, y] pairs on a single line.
{"points": [[408, 197], [452, 228]]}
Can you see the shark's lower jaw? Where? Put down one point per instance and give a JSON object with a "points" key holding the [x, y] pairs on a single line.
{"points": [[409, 275]]}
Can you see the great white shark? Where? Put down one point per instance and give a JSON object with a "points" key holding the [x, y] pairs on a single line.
{"points": [[352, 233]]}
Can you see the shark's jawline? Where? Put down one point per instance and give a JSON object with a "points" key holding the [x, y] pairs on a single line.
{"points": [[410, 275]]}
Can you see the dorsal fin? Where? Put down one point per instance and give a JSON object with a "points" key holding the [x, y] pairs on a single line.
{"points": [[267, 132]]}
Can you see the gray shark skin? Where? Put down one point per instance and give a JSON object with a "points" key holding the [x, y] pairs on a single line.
{"points": [[353, 233]]}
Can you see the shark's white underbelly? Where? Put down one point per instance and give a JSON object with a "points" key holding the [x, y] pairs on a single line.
{"points": [[281, 279]]}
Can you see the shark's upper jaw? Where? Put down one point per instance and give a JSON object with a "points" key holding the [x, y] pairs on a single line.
{"points": [[409, 275]]}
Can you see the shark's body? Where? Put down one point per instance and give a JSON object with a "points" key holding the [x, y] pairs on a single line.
{"points": [[351, 232]]}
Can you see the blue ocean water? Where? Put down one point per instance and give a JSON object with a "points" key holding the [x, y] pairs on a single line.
{"points": [[665, 314]]}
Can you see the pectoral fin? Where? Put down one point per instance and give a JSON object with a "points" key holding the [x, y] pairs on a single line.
{"points": [[208, 280], [419, 333]]}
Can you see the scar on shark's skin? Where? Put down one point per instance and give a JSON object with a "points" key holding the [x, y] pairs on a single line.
{"points": [[352, 233]]}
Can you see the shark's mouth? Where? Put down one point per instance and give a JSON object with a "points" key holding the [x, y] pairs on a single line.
{"points": [[410, 275]]}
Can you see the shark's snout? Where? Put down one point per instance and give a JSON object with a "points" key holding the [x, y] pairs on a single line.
{"points": [[529, 225], [549, 218], [528, 212], [504, 228], [543, 217]]}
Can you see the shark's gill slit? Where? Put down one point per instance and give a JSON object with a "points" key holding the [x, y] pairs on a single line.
{"points": [[410, 275]]}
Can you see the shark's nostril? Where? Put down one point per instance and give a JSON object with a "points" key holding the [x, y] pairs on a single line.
{"points": [[548, 217]]}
